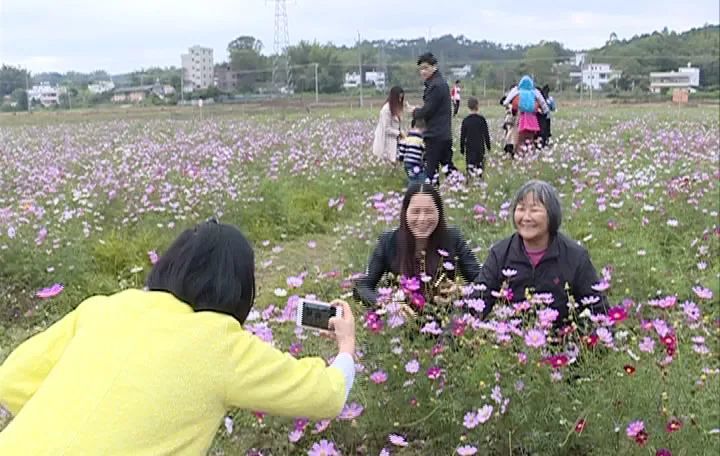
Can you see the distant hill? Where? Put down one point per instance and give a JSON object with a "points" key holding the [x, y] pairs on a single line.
{"points": [[665, 51]]}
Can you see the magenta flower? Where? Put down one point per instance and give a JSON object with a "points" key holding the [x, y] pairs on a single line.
{"points": [[434, 372], [379, 377], [663, 452], [323, 448], [617, 314], [50, 292]]}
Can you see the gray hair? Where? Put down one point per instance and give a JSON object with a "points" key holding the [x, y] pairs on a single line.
{"points": [[548, 197]]}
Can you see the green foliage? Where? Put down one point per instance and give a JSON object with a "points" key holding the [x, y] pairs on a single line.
{"points": [[11, 79], [658, 51]]}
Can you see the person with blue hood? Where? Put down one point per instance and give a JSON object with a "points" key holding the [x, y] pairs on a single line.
{"points": [[527, 101]]}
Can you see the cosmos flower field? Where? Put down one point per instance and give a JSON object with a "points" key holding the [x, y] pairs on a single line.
{"points": [[87, 207]]}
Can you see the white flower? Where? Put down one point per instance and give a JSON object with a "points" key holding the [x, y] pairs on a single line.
{"points": [[509, 272], [280, 293]]}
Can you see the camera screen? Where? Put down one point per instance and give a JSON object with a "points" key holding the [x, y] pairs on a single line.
{"points": [[317, 316]]}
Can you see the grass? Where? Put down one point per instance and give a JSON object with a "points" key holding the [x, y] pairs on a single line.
{"points": [[274, 177]]}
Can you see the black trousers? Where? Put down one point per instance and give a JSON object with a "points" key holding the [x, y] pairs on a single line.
{"points": [[438, 152], [456, 107], [475, 160]]}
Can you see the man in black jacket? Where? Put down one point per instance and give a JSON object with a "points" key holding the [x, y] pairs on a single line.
{"points": [[437, 112]]}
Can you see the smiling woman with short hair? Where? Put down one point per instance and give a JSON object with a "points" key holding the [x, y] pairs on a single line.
{"points": [[538, 257]]}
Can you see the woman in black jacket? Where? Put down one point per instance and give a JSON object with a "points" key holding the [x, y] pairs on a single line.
{"points": [[540, 258], [421, 244]]}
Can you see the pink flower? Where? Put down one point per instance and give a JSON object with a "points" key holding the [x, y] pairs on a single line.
{"points": [[470, 420], [647, 345], [350, 411], [397, 440], [50, 292], [295, 435], [547, 317], [509, 272], [323, 448], [535, 338], [443, 253], [379, 377], [321, 426], [634, 428], [153, 256], [484, 413], [467, 450], [663, 452], [412, 367], [703, 293]]}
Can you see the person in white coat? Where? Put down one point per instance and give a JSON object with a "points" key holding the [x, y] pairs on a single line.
{"points": [[388, 129]]}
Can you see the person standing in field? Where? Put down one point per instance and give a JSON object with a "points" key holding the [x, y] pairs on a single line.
{"points": [[455, 96], [436, 111], [528, 101], [474, 139], [388, 129]]}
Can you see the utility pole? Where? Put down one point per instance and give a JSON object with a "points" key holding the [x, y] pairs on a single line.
{"points": [[317, 96], [27, 90], [592, 79], [360, 69]]}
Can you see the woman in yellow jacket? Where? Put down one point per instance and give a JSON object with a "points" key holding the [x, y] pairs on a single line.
{"points": [[153, 372]]}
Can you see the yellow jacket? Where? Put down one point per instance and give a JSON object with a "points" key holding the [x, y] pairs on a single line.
{"points": [[141, 373]]}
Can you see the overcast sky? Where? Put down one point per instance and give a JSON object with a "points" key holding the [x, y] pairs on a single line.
{"points": [[124, 35]]}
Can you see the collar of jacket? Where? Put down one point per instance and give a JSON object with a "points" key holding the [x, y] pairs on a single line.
{"points": [[518, 249], [432, 79]]}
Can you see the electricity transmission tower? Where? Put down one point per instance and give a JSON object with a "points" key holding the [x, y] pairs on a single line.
{"points": [[281, 62]]}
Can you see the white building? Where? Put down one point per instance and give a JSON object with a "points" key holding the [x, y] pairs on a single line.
{"points": [[685, 78], [580, 58], [461, 72], [101, 87], [596, 75], [198, 68], [376, 78], [352, 80], [46, 94]]}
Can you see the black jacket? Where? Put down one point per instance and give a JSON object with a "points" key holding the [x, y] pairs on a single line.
{"points": [[564, 262], [474, 137], [382, 261], [436, 108]]}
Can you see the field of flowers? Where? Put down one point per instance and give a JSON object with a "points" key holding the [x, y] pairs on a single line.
{"points": [[86, 208]]}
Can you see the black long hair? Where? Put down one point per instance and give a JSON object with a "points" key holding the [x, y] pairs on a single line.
{"points": [[211, 268], [405, 261], [395, 100]]}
